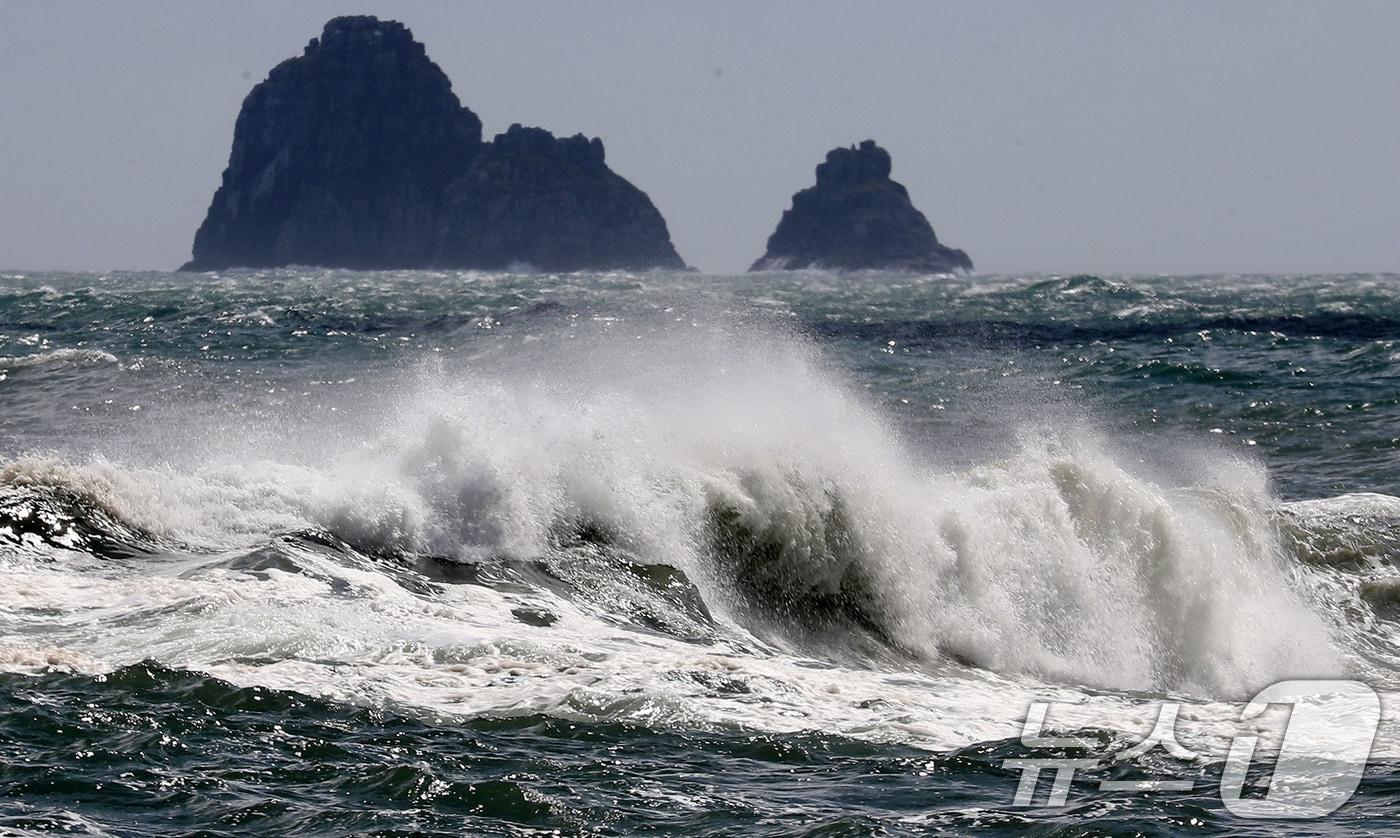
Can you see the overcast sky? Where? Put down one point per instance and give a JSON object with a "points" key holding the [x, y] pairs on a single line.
{"points": [[1070, 136]]}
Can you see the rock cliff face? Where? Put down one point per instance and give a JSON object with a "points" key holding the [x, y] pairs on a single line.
{"points": [[857, 218], [358, 154], [552, 203]]}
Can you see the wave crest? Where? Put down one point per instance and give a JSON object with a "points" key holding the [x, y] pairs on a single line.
{"points": [[795, 511]]}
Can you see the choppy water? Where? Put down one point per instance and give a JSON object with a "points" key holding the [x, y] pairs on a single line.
{"points": [[322, 552]]}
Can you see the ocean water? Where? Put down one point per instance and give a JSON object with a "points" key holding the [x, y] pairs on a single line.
{"points": [[312, 552]]}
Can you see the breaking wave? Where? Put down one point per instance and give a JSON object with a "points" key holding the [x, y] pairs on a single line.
{"points": [[732, 483]]}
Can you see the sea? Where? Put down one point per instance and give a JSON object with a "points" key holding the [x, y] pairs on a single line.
{"points": [[311, 552]]}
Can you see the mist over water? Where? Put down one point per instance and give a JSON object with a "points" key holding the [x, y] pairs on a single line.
{"points": [[890, 510]]}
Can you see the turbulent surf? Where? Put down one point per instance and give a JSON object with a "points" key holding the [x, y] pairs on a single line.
{"points": [[484, 552]]}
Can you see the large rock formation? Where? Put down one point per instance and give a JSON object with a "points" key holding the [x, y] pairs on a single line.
{"points": [[553, 203], [857, 218], [358, 154]]}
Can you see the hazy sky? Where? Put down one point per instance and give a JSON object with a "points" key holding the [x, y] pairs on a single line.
{"points": [[1069, 136]]}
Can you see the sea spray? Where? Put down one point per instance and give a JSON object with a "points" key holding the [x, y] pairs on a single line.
{"points": [[738, 457], [426, 551]]}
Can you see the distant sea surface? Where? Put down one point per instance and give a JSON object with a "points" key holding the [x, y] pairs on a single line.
{"points": [[314, 552]]}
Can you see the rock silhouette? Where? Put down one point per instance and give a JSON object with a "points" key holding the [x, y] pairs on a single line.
{"points": [[553, 203], [357, 154], [856, 217]]}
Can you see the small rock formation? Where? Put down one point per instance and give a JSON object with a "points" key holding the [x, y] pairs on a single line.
{"points": [[857, 218], [357, 154]]}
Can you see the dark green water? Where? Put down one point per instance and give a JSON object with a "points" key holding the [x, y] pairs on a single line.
{"points": [[329, 553]]}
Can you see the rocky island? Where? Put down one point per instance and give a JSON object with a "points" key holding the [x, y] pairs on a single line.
{"points": [[856, 218], [357, 154]]}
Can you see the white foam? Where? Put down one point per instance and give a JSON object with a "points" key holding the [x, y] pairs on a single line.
{"points": [[352, 635], [1063, 562], [59, 357], [1362, 504]]}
